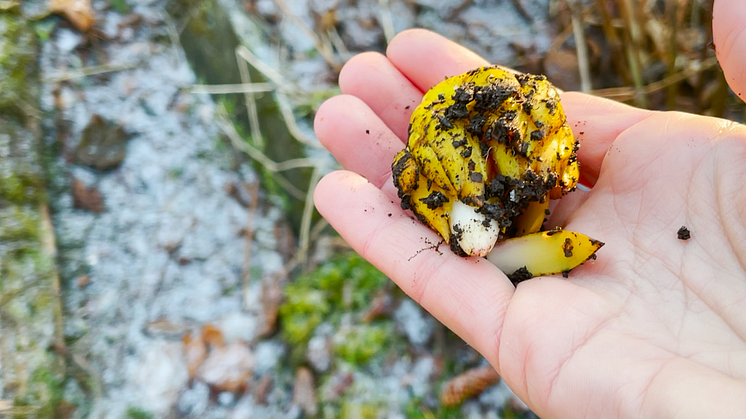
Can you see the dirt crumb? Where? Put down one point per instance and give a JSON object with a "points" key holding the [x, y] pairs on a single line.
{"points": [[520, 275]]}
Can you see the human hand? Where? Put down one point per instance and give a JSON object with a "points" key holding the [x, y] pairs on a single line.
{"points": [[654, 328]]}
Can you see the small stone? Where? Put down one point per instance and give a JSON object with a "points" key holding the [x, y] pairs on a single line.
{"points": [[684, 233]]}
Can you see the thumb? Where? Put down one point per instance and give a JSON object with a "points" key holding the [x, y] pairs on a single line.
{"points": [[729, 35]]}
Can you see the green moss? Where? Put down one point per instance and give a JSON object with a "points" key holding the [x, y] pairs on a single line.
{"points": [[42, 397], [137, 413], [28, 281], [303, 310], [358, 344], [356, 410], [344, 284], [44, 29], [19, 224], [121, 6], [17, 60], [51, 385], [20, 188], [175, 172], [416, 409]]}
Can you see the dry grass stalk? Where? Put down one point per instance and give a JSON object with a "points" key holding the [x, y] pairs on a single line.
{"points": [[253, 190], [385, 19], [323, 46], [580, 46]]}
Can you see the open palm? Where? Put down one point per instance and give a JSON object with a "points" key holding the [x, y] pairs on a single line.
{"points": [[656, 327]]}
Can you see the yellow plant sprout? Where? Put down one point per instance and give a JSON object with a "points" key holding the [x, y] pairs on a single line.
{"points": [[486, 152]]}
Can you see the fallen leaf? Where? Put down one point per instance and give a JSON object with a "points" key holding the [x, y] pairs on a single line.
{"points": [[270, 300], [212, 336], [86, 198], [195, 353], [304, 393], [163, 327], [262, 388], [227, 368], [82, 281]]}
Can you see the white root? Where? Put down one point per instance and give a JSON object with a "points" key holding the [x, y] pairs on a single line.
{"points": [[475, 233]]}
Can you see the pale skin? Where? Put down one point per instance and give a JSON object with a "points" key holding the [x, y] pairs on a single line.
{"points": [[656, 326]]}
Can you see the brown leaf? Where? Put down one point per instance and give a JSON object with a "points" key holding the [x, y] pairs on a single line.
{"points": [[467, 385], [78, 12], [163, 327], [379, 307], [262, 388], [304, 393], [195, 353], [270, 299], [86, 198], [212, 336], [228, 368], [82, 281]]}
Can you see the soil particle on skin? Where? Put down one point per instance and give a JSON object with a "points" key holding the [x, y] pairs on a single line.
{"points": [[683, 233], [520, 275]]}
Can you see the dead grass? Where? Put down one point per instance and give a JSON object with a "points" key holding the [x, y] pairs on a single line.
{"points": [[656, 54]]}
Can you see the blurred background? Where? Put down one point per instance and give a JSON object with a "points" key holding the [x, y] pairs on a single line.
{"points": [[160, 256]]}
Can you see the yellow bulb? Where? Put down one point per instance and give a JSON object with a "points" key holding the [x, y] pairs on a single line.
{"points": [[492, 147]]}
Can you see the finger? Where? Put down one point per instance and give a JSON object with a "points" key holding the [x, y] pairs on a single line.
{"points": [[357, 137], [372, 78], [468, 295], [426, 58], [729, 36], [596, 123]]}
